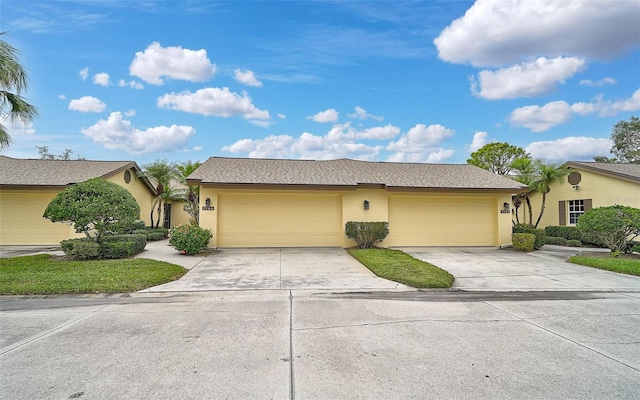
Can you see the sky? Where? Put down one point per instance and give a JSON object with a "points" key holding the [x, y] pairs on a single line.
{"points": [[407, 81]]}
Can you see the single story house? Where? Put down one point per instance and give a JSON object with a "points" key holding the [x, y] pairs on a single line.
{"points": [[291, 203], [588, 185], [28, 185]]}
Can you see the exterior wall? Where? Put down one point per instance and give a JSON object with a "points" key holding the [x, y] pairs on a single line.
{"points": [[139, 191], [22, 221], [353, 210], [602, 190], [178, 215]]}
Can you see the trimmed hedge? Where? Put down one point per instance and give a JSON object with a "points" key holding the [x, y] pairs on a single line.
{"points": [[154, 234], [523, 241], [540, 234], [574, 243], [567, 232], [189, 239], [113, 246], [560, 241], [366, 234]]}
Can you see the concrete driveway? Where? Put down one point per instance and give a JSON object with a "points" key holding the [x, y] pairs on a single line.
{"points": [[278, 268], [481, 268]]}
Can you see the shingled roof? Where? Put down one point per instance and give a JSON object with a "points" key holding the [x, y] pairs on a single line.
{"points": [[629, 172], [57, 173], [350, 173]]}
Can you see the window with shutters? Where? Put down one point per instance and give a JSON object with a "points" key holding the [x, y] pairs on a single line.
{"points": [[576, 209]]}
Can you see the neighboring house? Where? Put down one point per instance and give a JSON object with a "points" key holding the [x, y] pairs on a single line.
{"points": [[28, 185], [290, 203], [588, 185]]}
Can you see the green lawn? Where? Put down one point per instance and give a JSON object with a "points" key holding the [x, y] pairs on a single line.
{"points": [[400, 267], [44, 274], [616, 264]]}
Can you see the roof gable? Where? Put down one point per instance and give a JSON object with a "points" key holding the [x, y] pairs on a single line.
{"points": [[627, 172], [58, 173], [346, 172]]}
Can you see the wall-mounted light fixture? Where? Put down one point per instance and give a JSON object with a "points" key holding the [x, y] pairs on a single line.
{"points": [[366, 204], [207, 204], [505, 208]]}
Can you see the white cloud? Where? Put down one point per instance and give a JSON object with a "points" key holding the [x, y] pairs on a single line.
{"points": [[213, 101], [246, 78], [131, 84], [479, 140], [602, 82], [539, 119], [84, 73], [129, 113], [157, 62], [282, 116], [62, 96], [269, 147], [361, 113], [118, 134], [498, 32], [87, 104], [16, 126], [420, 144], [570, 148], [102, 79], [527, 79], [329, 115], [196, 148]]}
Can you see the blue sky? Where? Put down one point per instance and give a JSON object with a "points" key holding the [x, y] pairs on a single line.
{"points": [[387, 81]]}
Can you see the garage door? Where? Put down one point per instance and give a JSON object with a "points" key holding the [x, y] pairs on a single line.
{"points": [[441, 221], [270, 220]]}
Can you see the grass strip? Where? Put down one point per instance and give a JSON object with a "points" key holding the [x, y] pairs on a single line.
{"points": [[400, 267], [621, 265], [44, 274]]}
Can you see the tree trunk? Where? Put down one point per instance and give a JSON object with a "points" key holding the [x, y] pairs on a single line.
{"points": [[544, 200], [159, 213], [529, 209]]}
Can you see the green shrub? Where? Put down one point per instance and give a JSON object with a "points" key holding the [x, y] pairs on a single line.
{"points": [[539, 234], [133, 228], [567, 232], [523, 241], [574, 243], [189, 239], [154, 234], [614, 226], [111, 246], [81, 249], [560, 241], [366, 234]]}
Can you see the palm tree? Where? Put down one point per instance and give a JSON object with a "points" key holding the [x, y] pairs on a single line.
{"points": [[160, 173], [545, 176], [526, 170], [193, 191], [13, 80]]}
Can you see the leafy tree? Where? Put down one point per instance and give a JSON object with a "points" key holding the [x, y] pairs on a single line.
{"points": [[626, 142], [545, 176], [161, 174], [497, 157], [95, 206], [614, 226], [524, 169], [193, 191], [65, 155], [13, 81]]}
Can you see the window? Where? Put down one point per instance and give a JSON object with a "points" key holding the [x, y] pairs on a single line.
{"points": [[576, 209]]}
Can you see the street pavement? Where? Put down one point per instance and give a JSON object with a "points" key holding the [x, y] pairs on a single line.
{"points": [[521, 326]]}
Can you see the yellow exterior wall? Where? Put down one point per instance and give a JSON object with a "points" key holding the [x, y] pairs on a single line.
{"points": [[602, 190], [139, 191], [21, 220], [498, 224], [178, 215]]}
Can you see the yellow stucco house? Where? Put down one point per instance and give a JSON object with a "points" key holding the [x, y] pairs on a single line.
{"points": [[291, 203], [588, 185], [28, 185]]}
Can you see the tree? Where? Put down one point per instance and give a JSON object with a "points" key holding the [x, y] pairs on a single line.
{"points": [[525, 172], [497, 157], [614, 226], [626, 142], [545, 176], [193, 191], [13, 81], [65, 155], [96, 206], [160, 173]]}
